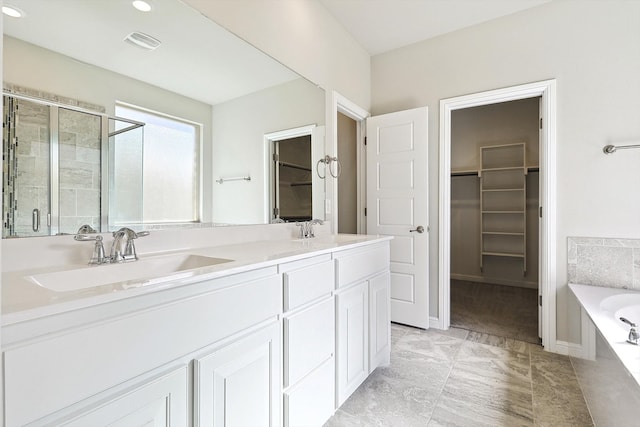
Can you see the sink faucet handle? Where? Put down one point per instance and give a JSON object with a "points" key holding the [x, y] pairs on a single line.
{"points": [[130, 233], [98, 256], [303, 229], [628, 322], [310, 232]]}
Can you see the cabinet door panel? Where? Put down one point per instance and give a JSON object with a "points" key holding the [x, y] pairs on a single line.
{"points": [[159, 403], [309, 340], [379, 321], [239, 385], [352, 344]]}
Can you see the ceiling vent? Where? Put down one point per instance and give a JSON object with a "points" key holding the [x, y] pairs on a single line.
{"points": [[142, 40]]}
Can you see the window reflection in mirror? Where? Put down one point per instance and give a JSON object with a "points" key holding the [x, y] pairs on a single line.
{"points": [[165, 163]]}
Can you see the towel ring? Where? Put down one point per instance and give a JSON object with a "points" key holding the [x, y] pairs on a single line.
{"points": [[327, 160]]}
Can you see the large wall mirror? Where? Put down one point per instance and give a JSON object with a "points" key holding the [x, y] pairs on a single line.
{"points": [[158, 119]]}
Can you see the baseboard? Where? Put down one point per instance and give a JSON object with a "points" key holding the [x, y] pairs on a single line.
{"points": [[434, 322], [570, 349], [495, 281]]}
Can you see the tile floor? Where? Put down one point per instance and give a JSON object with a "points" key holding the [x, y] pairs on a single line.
{"points": [[464, 378]]}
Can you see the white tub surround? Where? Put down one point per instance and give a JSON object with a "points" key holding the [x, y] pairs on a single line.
{"points": [[605, 306], [280, 334]]}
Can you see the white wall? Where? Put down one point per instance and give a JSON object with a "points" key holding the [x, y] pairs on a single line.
{"points": [[303, 36], [591, 48], [239, 127], [37, 68]]}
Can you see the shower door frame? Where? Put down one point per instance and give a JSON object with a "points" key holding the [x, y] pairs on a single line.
{"points": [[54, 160]]}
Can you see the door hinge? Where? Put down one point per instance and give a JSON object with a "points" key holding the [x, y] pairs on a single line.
{"points": [[540, 300], [365, 211], [365, 140], [540, 122], [276, 157], [276, 212], [540, 213]]}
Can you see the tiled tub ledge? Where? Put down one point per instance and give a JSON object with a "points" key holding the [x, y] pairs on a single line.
{"points": [[613, 263]]}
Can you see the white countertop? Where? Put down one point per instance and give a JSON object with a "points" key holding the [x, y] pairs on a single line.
{"points": [[603, 316], [24, 300]]}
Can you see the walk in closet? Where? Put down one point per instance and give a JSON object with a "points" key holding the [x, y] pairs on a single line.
{"points": [[494, 217]]}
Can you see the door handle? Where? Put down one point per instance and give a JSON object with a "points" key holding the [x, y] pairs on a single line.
{"points": [[419, 229], [35, 220]]}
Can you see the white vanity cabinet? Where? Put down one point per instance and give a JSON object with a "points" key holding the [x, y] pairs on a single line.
{"points": [[279, 343], [238, 385], [68, 373], [309, 341], [363, 315]]}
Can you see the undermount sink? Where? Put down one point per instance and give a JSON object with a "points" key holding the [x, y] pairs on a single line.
{"points": [[151, 270]]}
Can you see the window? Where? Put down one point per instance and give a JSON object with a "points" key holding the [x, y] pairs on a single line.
{"points": [[170, 166]]}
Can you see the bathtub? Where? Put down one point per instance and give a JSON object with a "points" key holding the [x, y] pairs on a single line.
{"points": [[605, 306], [610, 381]]}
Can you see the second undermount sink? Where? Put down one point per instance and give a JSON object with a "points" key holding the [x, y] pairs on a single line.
{"points": [[148, 270]]}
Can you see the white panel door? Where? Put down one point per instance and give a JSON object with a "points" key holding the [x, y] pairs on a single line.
{"points": [[397, 205]]}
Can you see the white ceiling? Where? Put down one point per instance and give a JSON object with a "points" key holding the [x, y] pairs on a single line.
{"points": [[197, 58], [383, 25]]}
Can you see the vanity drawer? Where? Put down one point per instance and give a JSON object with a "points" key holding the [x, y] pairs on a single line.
{"points": [[357, 264], [307, 280], [311, 402], [69, 367], [309, 340]]}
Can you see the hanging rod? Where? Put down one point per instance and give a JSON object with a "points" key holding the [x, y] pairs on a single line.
{"points": [[610, 149], [238, 178]]}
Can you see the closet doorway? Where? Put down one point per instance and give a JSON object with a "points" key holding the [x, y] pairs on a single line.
{"points": [[494, 219], [545, 91]]}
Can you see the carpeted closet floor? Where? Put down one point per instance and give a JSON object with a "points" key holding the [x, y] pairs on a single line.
{"points": [[504, 311]]}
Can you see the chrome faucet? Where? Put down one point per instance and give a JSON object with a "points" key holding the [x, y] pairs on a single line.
{"points": [[634, 336], [306, 228], [123, 248]]}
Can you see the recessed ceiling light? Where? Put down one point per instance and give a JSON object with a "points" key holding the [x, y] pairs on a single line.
{"points": [[141, 5], [12, 11]]}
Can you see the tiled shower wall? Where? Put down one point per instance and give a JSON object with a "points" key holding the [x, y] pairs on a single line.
{"points": [[613, 263]]}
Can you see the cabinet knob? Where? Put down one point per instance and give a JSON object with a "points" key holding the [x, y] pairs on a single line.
{"points": [[419, 229]]}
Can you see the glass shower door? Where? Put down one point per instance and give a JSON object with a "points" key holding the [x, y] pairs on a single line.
{"points": [[26, 168]]}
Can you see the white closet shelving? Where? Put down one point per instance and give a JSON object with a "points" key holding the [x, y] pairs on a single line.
{"points": [[503, 202]]}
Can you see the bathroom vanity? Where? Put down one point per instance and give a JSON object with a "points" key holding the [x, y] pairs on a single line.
{"points": [[275, 333]]}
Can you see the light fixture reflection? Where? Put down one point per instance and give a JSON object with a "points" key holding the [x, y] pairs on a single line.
{"points": [[141, 5], [12, 11]]}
